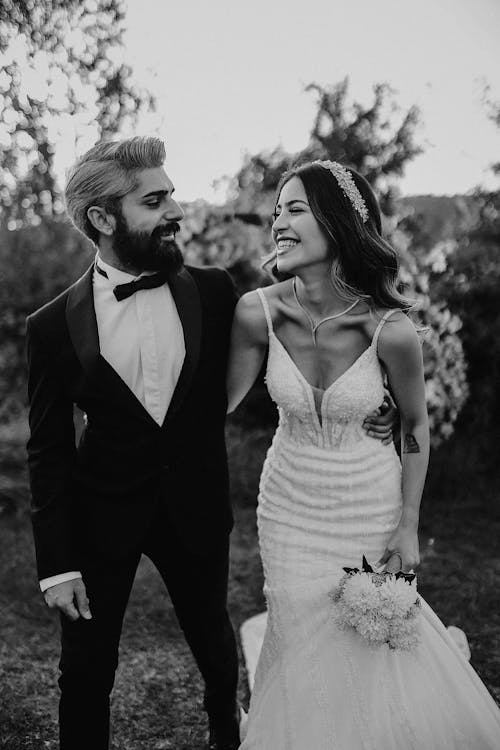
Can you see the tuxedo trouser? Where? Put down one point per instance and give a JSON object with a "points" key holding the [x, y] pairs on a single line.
{"points": [[197, 585]]}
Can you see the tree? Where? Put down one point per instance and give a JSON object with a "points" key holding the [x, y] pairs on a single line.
{"points": [[445, 364], [471, 285], [62, 69], [365, 137]]}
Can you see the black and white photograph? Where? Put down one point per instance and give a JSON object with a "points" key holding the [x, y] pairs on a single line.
{"points": [[249, 375]]}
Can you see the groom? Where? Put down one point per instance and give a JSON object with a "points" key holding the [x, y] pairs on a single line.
{"points": [[145, 359]]}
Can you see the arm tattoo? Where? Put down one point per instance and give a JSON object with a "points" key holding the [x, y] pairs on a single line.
{"points": [[411, 445]]}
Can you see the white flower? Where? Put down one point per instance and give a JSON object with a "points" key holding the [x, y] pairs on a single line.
{"points": [[374, 629], [360, 591], [382, 610], [397, 596]]}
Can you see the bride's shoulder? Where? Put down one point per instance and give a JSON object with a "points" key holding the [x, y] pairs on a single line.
{"points": [[397, 332], [250, 316], [254, 305]]}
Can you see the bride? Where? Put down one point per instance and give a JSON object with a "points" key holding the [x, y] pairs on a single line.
{"points": [[335, 329]]}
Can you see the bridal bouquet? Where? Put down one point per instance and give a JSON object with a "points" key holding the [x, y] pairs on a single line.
{"points": [[381, 607]]}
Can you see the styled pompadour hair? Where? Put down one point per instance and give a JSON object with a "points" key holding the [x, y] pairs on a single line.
{"points": [[105, 174]]}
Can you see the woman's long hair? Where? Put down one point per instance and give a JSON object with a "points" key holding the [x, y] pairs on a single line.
{"points": [[364, 265]]}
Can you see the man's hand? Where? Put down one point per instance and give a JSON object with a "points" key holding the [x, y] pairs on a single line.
{"points": [[381, 422], [70, 598]]}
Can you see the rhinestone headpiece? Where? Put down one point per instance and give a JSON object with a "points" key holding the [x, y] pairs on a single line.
{"points": [[347, 185]]}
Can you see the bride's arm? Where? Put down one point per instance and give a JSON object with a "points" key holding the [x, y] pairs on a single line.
{"points": [[249, 339], [400, 350]]}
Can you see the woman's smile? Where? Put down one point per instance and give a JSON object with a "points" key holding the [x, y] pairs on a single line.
{"points": [[286, 244]]}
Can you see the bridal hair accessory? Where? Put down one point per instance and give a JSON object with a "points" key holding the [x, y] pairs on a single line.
{"points": [[380, 607], [347, 185]]}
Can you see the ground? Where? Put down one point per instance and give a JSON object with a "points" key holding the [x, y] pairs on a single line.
{"points": [[157, 702]]}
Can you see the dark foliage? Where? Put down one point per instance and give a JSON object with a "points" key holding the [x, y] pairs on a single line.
{"points": [[472, 288], [36, 264], [372, 139]]}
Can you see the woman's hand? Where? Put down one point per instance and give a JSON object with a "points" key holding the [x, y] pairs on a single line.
{"points": [[402, 551]]}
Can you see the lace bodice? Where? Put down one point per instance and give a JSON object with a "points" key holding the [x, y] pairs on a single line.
{"points": [[330, 418]]}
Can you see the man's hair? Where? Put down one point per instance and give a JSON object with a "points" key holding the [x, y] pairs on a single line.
{"points": [[105, 174]]}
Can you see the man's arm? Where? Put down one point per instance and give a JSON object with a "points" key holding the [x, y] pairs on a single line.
{"points": [[47, 583], [51, 458], [383, 424], [232, 294]]}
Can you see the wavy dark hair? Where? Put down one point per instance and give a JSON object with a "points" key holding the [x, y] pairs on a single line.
{"points": [[363, 263]]}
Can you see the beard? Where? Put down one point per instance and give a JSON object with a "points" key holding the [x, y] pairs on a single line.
{"points": [[144, 251]]}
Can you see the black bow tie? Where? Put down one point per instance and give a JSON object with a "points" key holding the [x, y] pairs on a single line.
{"points": [[122, 291]]}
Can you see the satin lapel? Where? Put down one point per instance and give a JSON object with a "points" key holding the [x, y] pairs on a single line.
{"points": [[82, 323], [187, 300], [82, 326]]}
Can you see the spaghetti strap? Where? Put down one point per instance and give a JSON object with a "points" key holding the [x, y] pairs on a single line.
{"points": [[267, 312], [381, 324]]}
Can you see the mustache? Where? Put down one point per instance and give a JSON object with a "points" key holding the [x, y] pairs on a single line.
{"points": [[171, 228]]}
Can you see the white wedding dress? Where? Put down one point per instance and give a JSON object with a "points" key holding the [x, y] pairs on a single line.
{"points": [[330, 494]]}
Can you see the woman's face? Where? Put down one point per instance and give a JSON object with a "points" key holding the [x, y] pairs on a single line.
{"points": [[299, 239]]}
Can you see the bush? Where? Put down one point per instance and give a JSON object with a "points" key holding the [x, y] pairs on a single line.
{"points": [[464, 271], [445, 362], [472, 288], [37, 263]]}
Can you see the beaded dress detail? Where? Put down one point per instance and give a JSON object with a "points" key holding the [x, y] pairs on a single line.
{"points": [[329, 494]]}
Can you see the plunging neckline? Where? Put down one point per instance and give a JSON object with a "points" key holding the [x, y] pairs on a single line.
{"points": [[312, 388], [304, 379]]}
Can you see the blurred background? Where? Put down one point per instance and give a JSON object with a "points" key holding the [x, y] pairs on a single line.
{"points": [[408, 94]]}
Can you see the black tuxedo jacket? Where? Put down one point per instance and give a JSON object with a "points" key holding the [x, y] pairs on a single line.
{"points": [[96, 500]]}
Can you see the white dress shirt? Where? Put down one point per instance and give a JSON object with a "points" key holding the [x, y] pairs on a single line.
{"points": [[141, 337]]}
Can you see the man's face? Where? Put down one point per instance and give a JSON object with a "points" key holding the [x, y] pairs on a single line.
{"points": [[144, 237]]}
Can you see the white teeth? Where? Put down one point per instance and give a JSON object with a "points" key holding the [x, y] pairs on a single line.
{"points": [[285, 244]]}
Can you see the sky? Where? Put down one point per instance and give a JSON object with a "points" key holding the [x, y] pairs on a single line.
{"points": [[230, 78]]}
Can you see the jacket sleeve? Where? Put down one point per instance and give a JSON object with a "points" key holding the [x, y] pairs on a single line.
{"points": [[51, 459], [232, 293]]}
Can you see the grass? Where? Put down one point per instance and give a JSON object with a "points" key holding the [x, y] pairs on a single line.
{"points": [[158, 694]]}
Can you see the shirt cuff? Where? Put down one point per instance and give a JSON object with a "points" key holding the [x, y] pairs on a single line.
{"points": [[46, 583]]}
